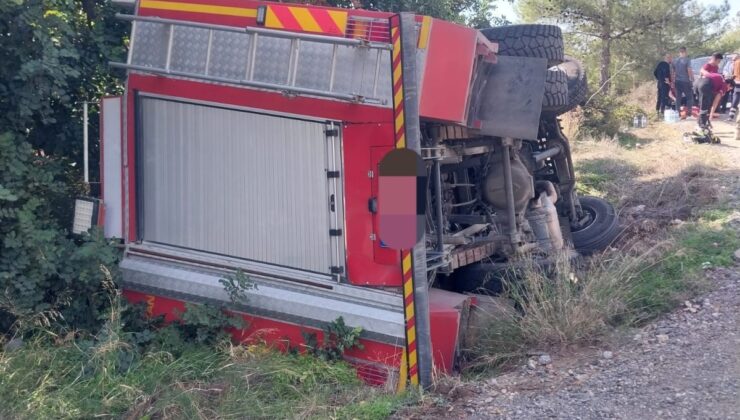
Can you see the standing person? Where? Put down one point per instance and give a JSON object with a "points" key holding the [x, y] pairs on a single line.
{"points": [[684, 77], [662, 74], [737, 128], [712, 66], [736, 93], [710, 88]]}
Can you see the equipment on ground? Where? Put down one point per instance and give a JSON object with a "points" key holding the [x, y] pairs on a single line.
{"points": [[702, 135]]}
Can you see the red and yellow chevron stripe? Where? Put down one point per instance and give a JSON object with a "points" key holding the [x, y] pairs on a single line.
{"points": [[410, 359], [410, 318], [306, 19], [397, 71]]}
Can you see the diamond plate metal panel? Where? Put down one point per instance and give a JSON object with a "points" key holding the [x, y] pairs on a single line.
{"points": [[385, 83], [355, 72], [231, 52], [308, 280], [272, 61], [189, 49], [150, 48], [314, 65], [229, 55], [279, 300]]}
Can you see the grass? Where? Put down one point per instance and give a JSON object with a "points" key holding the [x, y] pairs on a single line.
{"points": [[111, 376], [707, 243], [43, 380], [583, 305]]}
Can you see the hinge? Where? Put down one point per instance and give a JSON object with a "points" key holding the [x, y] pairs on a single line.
{"points": [[332, 174], [335, 232], [370, 174], [331, 132], [336, 269]]}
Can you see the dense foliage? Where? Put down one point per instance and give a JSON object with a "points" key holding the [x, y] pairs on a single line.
{"points": [[46, 278], [54, 55], [476, 13]]}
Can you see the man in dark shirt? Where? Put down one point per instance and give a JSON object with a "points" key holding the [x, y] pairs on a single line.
{"points": [[662, 74], [709, 88]]}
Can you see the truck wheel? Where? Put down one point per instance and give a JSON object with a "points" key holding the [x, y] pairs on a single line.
{"points": [[556, 91], [599, 229], [479, 278], [542, 41], [577, 84]]}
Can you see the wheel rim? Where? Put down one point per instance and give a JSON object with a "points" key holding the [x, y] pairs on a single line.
{"points": [[589, 219]]}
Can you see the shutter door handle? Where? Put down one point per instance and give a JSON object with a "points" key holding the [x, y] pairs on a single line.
{"points": [[372, 205]]}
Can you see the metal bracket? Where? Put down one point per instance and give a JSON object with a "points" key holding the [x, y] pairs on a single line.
{"points": [[332, 174], [336, 269], [335, 232]]}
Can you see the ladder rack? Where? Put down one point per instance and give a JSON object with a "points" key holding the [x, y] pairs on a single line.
{"points": [[293, 63]]}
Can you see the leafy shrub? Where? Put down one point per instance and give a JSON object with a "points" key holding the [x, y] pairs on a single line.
{"points": [[607, 115], [236, 286], [338, 337], [46, 278]]}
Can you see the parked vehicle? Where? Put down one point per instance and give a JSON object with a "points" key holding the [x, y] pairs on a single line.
{"points": [[249, 138]]}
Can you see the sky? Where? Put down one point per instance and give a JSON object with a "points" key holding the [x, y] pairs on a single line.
{"points": [[507, 9]]}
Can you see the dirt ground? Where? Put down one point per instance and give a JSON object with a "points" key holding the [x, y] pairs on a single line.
{"points": [[684, 365]]}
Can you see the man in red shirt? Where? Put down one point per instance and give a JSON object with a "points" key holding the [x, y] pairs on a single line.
{"points": [[710, 88], [712, 66]]}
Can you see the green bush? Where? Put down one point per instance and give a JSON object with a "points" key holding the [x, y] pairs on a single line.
{"points": [[47, 279], [607, 115]]}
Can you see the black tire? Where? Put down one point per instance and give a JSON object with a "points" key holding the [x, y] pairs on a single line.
{"points": [[542, 41], [480, 278], [599, 230], [556, 91], [577, 83]]}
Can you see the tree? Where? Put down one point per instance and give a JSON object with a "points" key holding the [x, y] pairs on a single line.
{"points": [[54, 55], [625, 24], [476, 13], [729, 40]]}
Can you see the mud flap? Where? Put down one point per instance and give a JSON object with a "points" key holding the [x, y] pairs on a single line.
{"points": [[509, 103]]}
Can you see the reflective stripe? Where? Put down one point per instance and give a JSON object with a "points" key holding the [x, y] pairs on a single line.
{"points": [[198, 8], [306, 19]]}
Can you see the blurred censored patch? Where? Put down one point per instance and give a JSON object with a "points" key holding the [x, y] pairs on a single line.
{"points": [[402, 183]]}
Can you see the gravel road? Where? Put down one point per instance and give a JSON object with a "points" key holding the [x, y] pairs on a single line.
{"points": [[684, 366]]}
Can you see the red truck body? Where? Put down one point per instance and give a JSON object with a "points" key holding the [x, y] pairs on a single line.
{"points": [[173, 124]]}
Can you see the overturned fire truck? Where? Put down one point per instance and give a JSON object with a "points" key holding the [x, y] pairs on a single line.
{"points": [[249, 138]]}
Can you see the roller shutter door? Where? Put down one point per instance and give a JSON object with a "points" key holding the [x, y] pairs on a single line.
{"points": [[238, 183]]}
